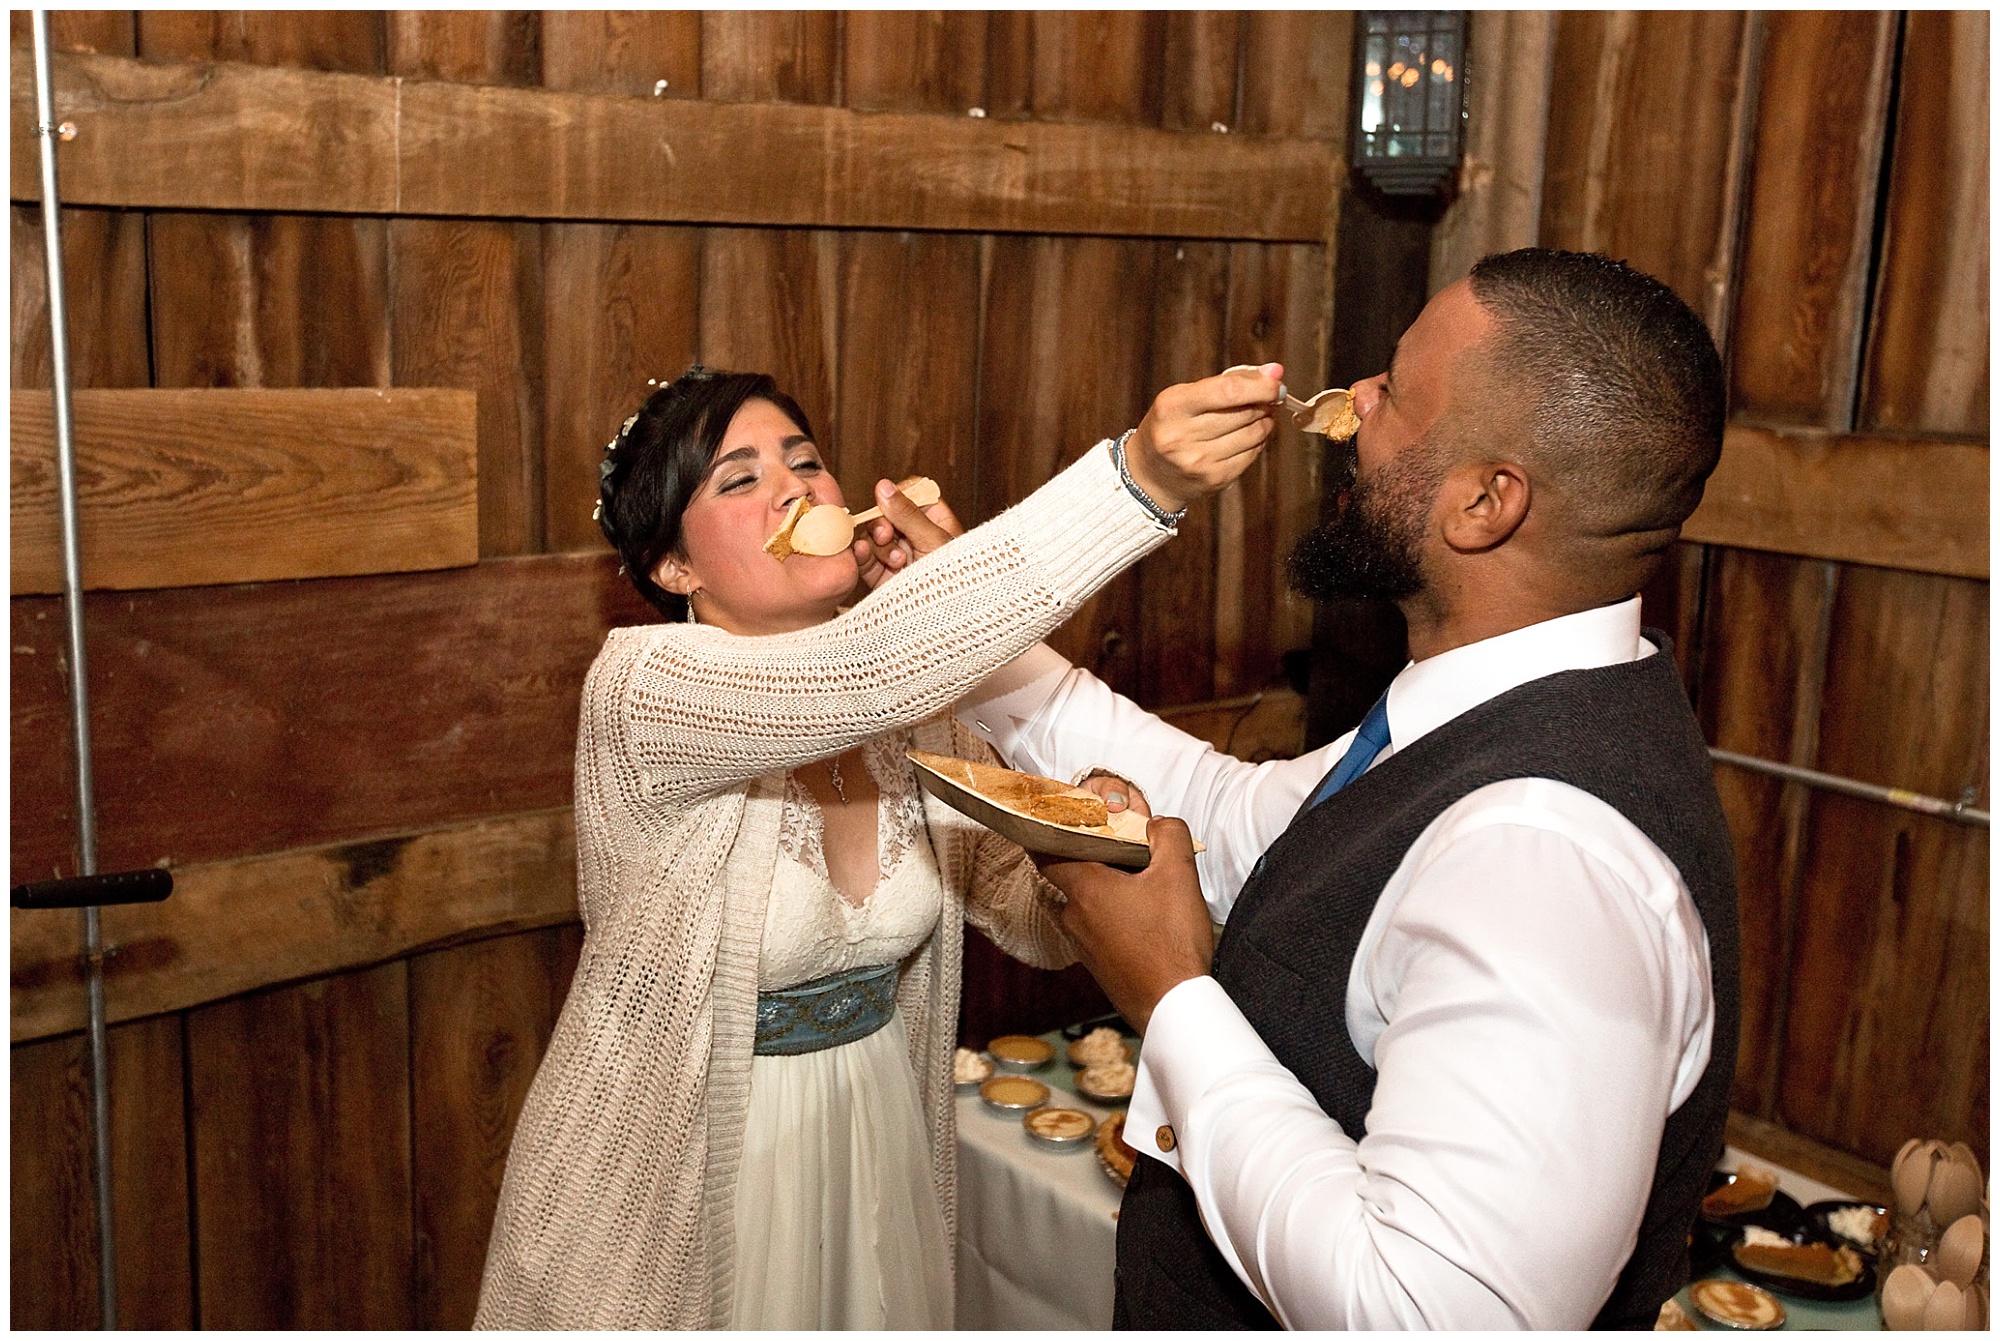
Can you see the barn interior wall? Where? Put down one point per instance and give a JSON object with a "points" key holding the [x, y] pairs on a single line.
{"points": [[323, 1148]]}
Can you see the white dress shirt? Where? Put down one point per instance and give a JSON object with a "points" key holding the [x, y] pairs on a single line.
{"points": [[1532, 990]]}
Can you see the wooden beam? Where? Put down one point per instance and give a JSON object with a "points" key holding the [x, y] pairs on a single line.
{"points": [[232, 721], [235, 926], [189, 488], [236, 137], [1889, 502]]}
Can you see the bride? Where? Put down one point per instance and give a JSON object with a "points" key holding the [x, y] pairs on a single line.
{"points": [[744, 1117]]}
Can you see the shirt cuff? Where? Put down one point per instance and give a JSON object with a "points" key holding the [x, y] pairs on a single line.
{"points": [[1195, 1039]]}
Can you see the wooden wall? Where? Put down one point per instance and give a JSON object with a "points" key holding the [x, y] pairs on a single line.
{"points": [[1816, 183], [320, 1143], [361, 781]]}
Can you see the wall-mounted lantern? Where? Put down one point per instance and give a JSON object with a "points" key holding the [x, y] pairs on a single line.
{"points": [[1409, 80]]}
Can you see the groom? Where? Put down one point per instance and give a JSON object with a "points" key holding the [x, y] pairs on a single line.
{"points": [[1462, 1055]]}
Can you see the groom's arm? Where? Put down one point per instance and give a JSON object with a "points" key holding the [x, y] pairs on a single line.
{"points": [[1045, 716]]}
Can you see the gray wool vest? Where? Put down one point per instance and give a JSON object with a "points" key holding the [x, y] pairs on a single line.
{"points": [[1622, 733]]}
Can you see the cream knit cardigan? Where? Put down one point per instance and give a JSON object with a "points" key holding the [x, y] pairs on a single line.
{"points": [[618, 1204]]}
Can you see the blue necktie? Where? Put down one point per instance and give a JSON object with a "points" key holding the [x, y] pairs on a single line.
{"points": [[1370, 739]]}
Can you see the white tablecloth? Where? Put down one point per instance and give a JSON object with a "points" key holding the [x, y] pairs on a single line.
{"points": [[1037, 1225]]}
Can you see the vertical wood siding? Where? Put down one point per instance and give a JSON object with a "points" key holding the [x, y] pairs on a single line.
{"points": [[1863, 1019], [327, 1153]]}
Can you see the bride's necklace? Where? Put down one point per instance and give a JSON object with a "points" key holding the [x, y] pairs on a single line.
{"points": [[833, 773]]}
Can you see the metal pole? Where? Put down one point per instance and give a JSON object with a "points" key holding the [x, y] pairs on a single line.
{"points": [[1961, 811], [79, 694]]}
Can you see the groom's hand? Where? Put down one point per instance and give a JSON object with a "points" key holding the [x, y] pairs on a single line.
{"points": [[1141, 935]]}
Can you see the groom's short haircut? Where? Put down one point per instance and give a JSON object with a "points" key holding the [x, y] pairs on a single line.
{"points": [[1621, 384]]}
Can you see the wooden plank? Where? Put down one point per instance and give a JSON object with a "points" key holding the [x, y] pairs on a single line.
{"points": [[1201, 58], [1890, 1013], [1380, 265], [322, 39], [899, 60], [269, 300], [259, 139], [1509, 62], [300, 1116], [1929, 361], [1042, 406], [480, 1020], [86, 31], [191, 488], [770, 303], [1639, 152], [215, 137], [1888, 502], [104, 278], [1671, 602], [908, 362], [474, 46], [466, 307], [1763, 640], [242, 925], [770, 55], [620, 312], [1010, 73], [41, 755], [1296, 64], [1097, 65], [54, 1199], [652, 52], [238, 720], [1276, 301], [1177, 606], [1801, 301]]}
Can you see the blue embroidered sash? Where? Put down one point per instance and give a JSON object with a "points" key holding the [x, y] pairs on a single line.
{"points": [[825, 1013]]}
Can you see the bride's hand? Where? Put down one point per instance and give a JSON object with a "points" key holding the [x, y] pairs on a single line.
{"points": [[902, 535], [1118, 793]]}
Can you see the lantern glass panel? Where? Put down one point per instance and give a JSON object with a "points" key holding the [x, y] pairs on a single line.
{"points": [[1410, 104]]}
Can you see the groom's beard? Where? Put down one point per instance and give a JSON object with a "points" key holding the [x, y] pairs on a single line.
{"points": [[1372, 546]]}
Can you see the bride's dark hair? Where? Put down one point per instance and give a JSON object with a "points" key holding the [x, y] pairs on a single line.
{"points": [[658, 461]]}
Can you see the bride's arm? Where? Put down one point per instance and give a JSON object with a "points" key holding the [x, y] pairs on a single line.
{"points": [[703, 709]]}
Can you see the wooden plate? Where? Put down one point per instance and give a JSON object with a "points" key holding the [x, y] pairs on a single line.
{"points": [[951, 781]]}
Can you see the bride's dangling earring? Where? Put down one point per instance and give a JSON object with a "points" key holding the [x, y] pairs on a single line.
{"points": [[690, 603]]}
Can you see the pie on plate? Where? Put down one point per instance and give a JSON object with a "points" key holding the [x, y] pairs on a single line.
{"points": [[1734, 1304], [1113, 1155]]}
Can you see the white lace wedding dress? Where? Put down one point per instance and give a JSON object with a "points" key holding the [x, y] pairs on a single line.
{"points": [[837, 1221]]}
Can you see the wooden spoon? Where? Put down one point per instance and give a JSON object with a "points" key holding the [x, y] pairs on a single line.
{"points": [[1954, 1192], [1944, 1311], [1330, 413], [1959, 1251], [828, 529], [1904, 1296], [1911, 1177]]}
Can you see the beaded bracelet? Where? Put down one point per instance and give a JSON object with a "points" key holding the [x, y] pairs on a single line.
{"points": [[1170, 520]]}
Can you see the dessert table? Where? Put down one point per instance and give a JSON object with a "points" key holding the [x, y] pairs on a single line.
{"points": [[1038, 1226], [1801, 1315]]}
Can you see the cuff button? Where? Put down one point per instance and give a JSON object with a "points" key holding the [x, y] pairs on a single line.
{"points": [[1164, 1138]]}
